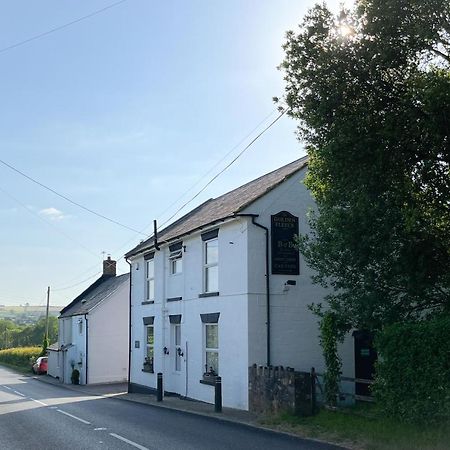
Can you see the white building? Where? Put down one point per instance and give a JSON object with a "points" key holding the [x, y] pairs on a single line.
{"points": [[93, 332], [202, 303]]}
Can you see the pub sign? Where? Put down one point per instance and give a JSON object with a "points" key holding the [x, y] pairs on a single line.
{"points": [[285, 255]]}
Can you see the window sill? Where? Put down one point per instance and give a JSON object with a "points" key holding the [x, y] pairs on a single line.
{"points": [[149, 302], [208, 294], [174, 299], [211, 382]]}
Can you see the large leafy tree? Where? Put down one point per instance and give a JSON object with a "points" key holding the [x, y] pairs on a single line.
{"points": [[371, 91]]}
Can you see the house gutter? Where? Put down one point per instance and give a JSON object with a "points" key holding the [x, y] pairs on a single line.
{"points": [[129, 330], [254, 216]]}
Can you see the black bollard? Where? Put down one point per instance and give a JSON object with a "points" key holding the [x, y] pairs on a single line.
{"points": [[218, 395], [159, 385]]}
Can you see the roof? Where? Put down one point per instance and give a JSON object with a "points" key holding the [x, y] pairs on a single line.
{"points": [[223, 207], [105, 286]]}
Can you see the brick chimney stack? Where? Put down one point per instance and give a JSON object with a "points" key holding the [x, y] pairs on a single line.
{"points": [[109, 267]]}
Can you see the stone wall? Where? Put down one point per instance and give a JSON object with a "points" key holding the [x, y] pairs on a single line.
{"points": [[273, 390]]}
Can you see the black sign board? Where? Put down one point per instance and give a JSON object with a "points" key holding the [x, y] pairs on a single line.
{"points": [[285, 255]]}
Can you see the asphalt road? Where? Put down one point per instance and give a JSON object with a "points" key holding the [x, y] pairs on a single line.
{"points": [[36, 415]]}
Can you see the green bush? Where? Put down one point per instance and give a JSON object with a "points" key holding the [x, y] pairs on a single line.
{"points": [[413, 371], [20, 356]]}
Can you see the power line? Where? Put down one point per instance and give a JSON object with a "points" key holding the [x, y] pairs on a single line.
{"points": [[201, 178], [227, 166], [204, 187], [70, 200], [27, 208], [76, 284], [61, 27]]}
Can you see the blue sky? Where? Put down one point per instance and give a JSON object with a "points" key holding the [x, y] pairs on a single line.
{"points": [[124, 113]]}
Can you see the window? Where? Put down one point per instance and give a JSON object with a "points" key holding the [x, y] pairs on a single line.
{"points": [[212, 348], [176, 262], [150, 279], [211, 266], [80, 326], [149, 348]]}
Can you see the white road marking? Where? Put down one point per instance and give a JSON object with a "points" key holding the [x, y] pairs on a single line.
{"points": [[19, 393], [6, 387], [37, 401], [53, 407], [141, 447], [100, 429], [73, 417]]}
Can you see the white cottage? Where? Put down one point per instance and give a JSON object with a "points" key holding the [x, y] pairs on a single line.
{"points": [[223, 288], [93, 332]]}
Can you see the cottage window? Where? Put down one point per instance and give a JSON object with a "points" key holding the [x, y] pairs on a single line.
{"points": [[211, 265], [211, 353], [150, 348], [176, 262], [150, 280]]}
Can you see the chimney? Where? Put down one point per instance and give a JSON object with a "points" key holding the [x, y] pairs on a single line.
{"points": [[109, 267]]}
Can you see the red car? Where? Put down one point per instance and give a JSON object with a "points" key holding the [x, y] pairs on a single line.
{"points": [[40, 366]]}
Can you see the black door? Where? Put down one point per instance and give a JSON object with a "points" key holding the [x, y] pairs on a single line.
{"points": [[365, 357]]}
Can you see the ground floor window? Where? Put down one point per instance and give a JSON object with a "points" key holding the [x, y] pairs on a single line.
{"points": [[149, 348], [211, 351]]}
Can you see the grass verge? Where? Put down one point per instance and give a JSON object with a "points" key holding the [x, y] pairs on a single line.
{"points": [[363, 427]]}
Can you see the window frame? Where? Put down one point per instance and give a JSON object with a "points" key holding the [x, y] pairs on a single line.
{"points": [[176, 262], [149, 354], [210, 265], [149, 280], [207, 350]]}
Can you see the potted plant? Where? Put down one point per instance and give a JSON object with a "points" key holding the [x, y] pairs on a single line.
{"points": [[75, 376]]}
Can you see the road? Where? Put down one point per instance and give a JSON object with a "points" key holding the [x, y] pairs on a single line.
{"points": [[34, 414]]}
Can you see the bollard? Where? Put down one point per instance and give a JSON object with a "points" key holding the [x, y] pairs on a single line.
{"points": [[218, 395], [159, 385]]}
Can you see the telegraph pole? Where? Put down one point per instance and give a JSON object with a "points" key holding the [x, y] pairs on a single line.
{"points": [[46, 313]]}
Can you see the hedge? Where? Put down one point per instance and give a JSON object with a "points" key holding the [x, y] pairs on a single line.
{"points": [[19, 356], [413, 371]]}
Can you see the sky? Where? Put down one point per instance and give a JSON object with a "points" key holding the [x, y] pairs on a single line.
{"points": [[128, 113]]}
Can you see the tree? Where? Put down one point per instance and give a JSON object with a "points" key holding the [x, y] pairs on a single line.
{"points": [[371, 91]]}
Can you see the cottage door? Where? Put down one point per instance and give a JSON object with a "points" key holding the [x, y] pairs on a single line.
{"points": [[178, 359]]}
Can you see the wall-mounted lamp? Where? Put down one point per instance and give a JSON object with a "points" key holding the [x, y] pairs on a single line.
{"points": [[166, 350]]}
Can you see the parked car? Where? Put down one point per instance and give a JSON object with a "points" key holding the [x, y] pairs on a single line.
{"points": [[40, 366]]}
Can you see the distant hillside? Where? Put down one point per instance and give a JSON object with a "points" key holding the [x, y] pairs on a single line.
{"points": [[27, 314]]}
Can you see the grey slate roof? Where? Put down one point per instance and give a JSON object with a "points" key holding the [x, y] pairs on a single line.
{"points": [[225, 206], [94, 294]]}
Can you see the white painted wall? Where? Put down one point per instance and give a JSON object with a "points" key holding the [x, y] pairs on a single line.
{"points": [[108, 338], [232, 305], [294, 329]]}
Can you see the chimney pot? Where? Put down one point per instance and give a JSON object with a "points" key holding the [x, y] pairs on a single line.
{"points": [[109, 267]]}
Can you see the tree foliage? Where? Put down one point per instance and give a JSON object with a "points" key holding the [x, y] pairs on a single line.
{"points": [[14, 335], [371, 91]]}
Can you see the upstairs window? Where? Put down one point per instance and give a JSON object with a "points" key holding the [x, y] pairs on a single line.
{"points": [[211, 265], [176, 262], [150, 280]]}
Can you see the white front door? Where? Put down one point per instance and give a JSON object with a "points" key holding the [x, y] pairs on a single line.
{"points": [[177, 356]]}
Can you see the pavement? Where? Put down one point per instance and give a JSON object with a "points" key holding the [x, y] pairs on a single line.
{"points": [[119, 391]]}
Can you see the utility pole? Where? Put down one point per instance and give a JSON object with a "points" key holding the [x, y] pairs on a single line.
{"points": [[46, 314]]}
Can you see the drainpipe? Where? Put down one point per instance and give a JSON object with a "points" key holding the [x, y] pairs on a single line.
{"points": [[267, 286], [129, 329], [87, 346]]}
